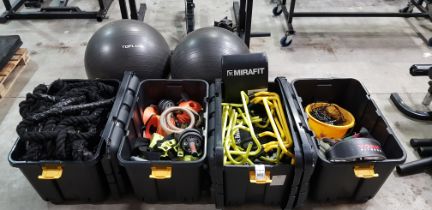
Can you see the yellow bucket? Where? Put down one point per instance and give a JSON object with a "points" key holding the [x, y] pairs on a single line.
{"points": [[325, 130]]}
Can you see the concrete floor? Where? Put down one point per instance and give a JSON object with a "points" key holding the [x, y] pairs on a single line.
{"points": [[378, 52]]}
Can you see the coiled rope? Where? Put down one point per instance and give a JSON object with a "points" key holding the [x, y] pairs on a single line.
{"points": [[63, 121]]}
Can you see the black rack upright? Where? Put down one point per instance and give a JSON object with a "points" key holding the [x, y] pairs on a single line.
{"points": [[139, 14], [243, 18]]}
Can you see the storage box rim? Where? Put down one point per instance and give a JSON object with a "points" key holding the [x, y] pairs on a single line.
{"points": [[308, 152], [92, 161], [17, 163], [320, 155], [298, 153], [125, 162], [253, 166]]}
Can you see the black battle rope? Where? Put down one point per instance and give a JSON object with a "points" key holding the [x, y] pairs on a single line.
{"points": [[63, 122]]}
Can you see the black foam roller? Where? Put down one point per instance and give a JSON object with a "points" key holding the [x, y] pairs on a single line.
{"points": [[421, 70], [421, 142], [425, 151], [414, 167]]}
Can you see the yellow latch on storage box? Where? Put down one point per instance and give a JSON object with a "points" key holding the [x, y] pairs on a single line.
{"points": [[365, 172], [265, 180], [161, 172], [51, 172]]}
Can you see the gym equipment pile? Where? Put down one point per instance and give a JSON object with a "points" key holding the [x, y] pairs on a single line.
{"points": [[171, 132]]}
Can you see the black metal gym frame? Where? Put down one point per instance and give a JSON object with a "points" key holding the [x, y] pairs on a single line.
{"points": [[60, 11], [243, 18], [135, 14], [139, 15], [416, 70], [286, 40], [242, 14], [190, 15]]}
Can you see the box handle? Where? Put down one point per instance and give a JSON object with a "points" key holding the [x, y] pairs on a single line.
{"points": [[265, 180], [51, 172], [160, 172], [365, 172]]}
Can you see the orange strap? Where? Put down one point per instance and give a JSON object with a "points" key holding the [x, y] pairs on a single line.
{"points": [[153, 126], [148, 113], [193, 105]]}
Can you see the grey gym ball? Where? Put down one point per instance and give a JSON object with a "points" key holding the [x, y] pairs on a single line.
{"points": [[127, 45], [199, 55]]}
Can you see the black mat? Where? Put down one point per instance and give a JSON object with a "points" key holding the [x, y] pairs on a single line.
{"points": [[8, 46]]}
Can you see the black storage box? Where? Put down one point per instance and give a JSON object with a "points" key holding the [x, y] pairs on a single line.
{"points": [[185, 180], [85, 181], [231, 184], [337, 181], [93, 180]]}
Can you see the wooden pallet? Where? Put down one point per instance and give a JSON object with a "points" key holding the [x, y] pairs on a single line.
{"points": [[10, 73]]}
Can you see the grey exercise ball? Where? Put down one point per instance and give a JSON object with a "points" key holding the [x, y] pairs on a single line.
{"points": [[199, 55], [127, 45]]}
